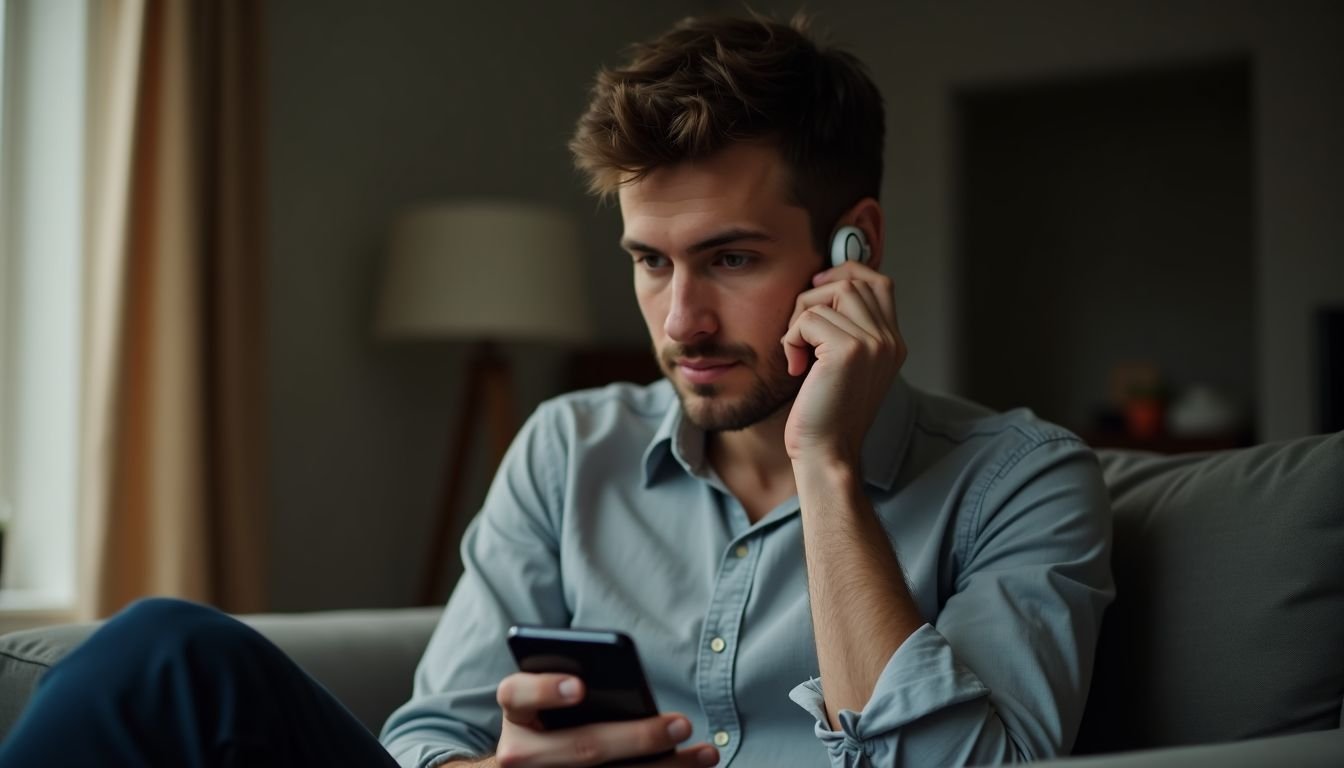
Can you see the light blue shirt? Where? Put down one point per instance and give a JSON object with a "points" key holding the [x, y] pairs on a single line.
{"points": [[606, 514]]}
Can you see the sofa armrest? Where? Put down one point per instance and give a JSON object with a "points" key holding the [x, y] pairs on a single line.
{"points": [[1318, 749], [366, 659]]}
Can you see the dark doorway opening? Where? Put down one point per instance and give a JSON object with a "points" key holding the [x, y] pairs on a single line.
{"points": [[1104, 222]]}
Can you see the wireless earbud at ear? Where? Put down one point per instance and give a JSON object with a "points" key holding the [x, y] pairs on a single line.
{"points": [[849, 244]]}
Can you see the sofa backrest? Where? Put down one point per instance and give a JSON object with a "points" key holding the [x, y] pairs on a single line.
{"points": [[1229, 615]]}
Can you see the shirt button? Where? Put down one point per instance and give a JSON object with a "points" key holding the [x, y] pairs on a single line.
{"points": [[721, 739], [741, 550], [717, 645]]}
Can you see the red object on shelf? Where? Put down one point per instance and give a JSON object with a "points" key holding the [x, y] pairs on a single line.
{"points": [[1143, 419]]}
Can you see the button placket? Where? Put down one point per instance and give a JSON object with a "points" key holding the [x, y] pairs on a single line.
{"points": [[718, 654]]}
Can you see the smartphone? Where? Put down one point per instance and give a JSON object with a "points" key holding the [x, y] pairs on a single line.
{"points": [[614, 684]]}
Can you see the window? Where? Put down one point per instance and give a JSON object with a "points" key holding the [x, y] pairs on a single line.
{"points": [[6, 488], [42, 96]]}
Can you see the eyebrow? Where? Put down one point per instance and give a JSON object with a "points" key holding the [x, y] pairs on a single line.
{"points": [[735, 235]]}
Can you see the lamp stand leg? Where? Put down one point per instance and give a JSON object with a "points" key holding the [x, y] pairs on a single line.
{"points": [[489, 389]]}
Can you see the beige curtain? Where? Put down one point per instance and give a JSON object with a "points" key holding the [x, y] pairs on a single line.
{"points": [[171, 492]]}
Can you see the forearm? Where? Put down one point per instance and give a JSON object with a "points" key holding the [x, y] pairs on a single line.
{"points": [[486, 762], [862, 610]]}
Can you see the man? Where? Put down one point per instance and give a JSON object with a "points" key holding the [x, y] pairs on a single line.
{"points": [[817, 562], [782, 504]]}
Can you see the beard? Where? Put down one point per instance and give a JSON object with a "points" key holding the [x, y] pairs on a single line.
{"points": [[710, 408]]}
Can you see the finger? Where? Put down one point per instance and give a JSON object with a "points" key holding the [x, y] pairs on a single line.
{"points": [[846, 302], [884, 290], [870, 300], [522, 695], [886, 320], [834, 293], [878, 294], [826, 325], [856, 302], [598, 743], [698, 756], [821, 328], [882, 286], [796, 356], [850, 270]]}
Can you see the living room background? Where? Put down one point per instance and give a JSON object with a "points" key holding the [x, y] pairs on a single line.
{"points": [[375, 107]]}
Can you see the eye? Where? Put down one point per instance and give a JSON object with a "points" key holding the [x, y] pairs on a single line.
{"points": [[652, 261], [735, 260]]}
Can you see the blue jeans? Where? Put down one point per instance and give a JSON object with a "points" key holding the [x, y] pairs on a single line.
{"points": [[172, 683]]}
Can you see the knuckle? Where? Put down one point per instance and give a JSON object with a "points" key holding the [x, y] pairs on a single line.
{"points": [[509, 754], [504, 693]]}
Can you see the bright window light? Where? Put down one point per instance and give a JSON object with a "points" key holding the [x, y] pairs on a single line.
{"points": [[42, 117]]}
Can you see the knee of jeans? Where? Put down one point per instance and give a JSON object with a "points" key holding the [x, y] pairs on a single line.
{"points": [[172, 625], [155, 610], [164, 616]]}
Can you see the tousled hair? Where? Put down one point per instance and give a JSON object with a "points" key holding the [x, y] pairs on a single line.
{"points": [[710, 82]]}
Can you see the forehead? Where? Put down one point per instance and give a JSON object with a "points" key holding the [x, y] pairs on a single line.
{"points": [[745, 184]]}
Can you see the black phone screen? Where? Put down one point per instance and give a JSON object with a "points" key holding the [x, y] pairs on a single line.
{"points": [[606, 661]]}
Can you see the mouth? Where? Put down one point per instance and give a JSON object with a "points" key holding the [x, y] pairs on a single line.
{"points": [[704, 370]]}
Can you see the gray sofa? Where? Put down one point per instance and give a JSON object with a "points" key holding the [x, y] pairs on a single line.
{"points": [[1227, 633]]}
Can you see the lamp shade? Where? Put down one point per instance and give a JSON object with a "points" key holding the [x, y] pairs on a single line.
{"points": [[495, 270]]}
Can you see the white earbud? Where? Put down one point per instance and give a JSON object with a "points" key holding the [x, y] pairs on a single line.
{"points": [[849, 244]]}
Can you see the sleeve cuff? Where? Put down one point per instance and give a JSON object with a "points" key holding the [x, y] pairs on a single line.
{"points": [[921, 677]]}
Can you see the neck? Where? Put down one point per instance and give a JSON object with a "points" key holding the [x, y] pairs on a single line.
{"points": [[753, 464]]}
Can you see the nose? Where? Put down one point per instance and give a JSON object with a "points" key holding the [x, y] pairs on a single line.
{"points": [[690, 314]]}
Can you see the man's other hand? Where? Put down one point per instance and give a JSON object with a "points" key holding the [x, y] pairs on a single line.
{"points": [[523, 742]]}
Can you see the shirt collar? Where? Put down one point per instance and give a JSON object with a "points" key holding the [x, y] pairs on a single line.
{"points": [[678, 442]]}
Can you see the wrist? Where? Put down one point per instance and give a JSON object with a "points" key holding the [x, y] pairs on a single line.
{"points": [[821, 450], [828, 472]]}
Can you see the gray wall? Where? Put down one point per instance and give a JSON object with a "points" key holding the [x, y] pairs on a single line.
{"points": [[374, 106]]}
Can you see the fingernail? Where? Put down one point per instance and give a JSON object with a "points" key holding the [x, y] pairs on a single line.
{"points": [[570, 688], [679, 730], [708, 757]]}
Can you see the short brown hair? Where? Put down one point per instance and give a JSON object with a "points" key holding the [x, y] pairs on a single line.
{"points": [[713, 81]]}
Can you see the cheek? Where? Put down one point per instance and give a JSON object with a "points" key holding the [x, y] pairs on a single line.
{"points": [[778, 322], [654, 311], [777, 309]]}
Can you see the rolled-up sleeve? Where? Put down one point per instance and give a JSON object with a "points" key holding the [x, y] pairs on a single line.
{"points": [[1001, 674], [511, 575]]}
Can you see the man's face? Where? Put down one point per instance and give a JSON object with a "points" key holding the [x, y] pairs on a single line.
{"points": [[720, 256]]}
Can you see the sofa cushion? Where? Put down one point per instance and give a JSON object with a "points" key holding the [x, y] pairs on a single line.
{"points": [[24, 657], [1229, 616], [366, 659]]}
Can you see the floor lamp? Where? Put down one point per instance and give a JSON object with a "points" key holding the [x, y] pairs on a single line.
{"points": [[487, 273]]}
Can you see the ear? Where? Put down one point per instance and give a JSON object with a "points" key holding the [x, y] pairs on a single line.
{"points": [[867, 216]]}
